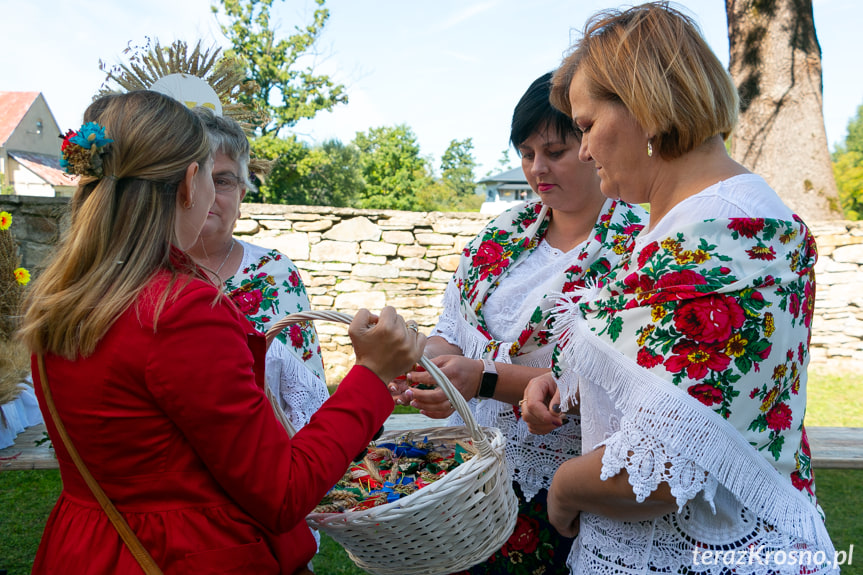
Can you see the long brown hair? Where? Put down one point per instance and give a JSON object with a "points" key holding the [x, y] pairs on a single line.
{"points": [[122, 224]]}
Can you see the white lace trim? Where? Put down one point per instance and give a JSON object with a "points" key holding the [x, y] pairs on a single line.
{"points": [[508, 308], [531, 459], [301, 393], [648, 402], [666, 545], [648, 464], [454, 328]]}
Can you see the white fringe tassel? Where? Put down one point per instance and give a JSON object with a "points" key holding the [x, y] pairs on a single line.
{"points": [[685, 427]]}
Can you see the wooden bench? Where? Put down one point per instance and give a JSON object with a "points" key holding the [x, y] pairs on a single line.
{"points": [[832, 447]]}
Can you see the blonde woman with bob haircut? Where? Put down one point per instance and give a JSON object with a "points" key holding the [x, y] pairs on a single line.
{"points": [[687, 362], [157, 378]]}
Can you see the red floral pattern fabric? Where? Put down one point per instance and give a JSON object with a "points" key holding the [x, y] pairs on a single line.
{"points": [[721, 310], [267, 291], [511, 237], [534, 548]]}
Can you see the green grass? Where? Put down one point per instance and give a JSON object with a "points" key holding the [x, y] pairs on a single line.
{"points": [[833, 399], [26, 499], [840, 492]]}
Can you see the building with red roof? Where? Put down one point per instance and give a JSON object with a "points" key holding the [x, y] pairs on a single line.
{"points": [[30, 147]]}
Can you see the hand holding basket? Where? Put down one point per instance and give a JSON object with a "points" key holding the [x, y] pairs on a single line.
{"points": [[447, 526]]}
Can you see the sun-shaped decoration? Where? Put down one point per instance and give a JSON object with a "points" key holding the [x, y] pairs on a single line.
{"points": [[149, 63]]}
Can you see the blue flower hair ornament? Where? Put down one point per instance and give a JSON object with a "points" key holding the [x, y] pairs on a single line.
{"points": [[81, 152]]}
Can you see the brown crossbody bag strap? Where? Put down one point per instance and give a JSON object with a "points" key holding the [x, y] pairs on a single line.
{"points": [[129, 538]]}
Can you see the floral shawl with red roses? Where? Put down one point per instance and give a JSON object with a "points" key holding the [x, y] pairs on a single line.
{"points": [[690, 362], [506, 242], [267, 290], [503, 245]]}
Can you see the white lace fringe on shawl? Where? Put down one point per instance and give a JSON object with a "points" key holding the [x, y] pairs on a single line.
{"points": [[530, 466], [683, 426], [301, 393]]}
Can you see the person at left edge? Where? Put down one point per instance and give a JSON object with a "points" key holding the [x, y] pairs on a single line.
{"points": [[158, 378]]}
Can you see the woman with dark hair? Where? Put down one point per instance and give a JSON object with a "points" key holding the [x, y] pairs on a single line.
{"points": [[496, 332], [688, 361], [156, 378]]}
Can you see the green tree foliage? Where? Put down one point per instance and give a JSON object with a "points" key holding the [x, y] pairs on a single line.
{"points": [[287, 91], [324, 175], [848, 168], [283, 154], [331, 174], [381, 169], [457, 165], [393, 170], [437, 196], [848, 171], [854, 139]]}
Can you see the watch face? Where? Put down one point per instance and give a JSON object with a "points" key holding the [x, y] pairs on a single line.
{"points": [[487, 384]]}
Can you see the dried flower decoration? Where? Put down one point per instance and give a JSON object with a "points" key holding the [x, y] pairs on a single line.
{"points": [[22, 276], [82, 151], [14, 357]]}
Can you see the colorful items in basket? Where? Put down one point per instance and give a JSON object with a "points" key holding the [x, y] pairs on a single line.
{"points": [[390, 471]]}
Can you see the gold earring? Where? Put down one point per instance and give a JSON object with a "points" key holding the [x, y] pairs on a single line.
{"points": [[649, 149]]}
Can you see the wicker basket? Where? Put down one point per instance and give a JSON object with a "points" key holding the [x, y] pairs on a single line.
{"points": [[448, 526]]}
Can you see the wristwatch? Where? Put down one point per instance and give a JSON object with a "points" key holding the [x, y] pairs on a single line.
{"points": [[489, 380]]}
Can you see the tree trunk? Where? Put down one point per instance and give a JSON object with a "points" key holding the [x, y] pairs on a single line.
{"points": [[776, 65]]}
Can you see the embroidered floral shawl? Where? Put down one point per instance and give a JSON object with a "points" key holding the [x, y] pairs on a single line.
{"points": [[267, 291], [698, 344], [508, 240], [486, 262]]}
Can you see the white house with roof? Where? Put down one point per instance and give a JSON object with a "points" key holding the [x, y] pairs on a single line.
{"points": [[504, 190], [30, 147]]}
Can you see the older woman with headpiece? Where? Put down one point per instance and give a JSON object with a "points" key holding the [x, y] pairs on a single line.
{"points": [[154, 381], [264, 283], [496, 331], [688, 361]]}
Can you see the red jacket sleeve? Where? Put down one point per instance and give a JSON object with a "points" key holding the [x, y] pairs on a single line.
{"points": [[200, 372]]}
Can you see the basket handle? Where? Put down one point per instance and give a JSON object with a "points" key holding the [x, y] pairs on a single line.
{"points": [[452, 394]]}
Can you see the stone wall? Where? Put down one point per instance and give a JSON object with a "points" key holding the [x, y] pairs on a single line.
{"points": [[367, 258]]}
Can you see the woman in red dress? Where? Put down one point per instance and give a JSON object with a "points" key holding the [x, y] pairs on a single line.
{"points": [[158, 378]]}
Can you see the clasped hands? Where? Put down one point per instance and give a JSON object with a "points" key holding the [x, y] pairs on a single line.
{"points": [[418, 388], [540, 406]]}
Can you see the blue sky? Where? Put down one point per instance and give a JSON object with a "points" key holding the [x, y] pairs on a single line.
{"points": [[449, 69]]}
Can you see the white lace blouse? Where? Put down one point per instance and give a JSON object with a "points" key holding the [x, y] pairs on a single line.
{"points": [[532, 459]]}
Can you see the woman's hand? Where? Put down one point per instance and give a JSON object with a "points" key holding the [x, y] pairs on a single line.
{"points": [[435, 346], [385, 344], [464, 373], [563, 511], [578, 487], [536, 407]]}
